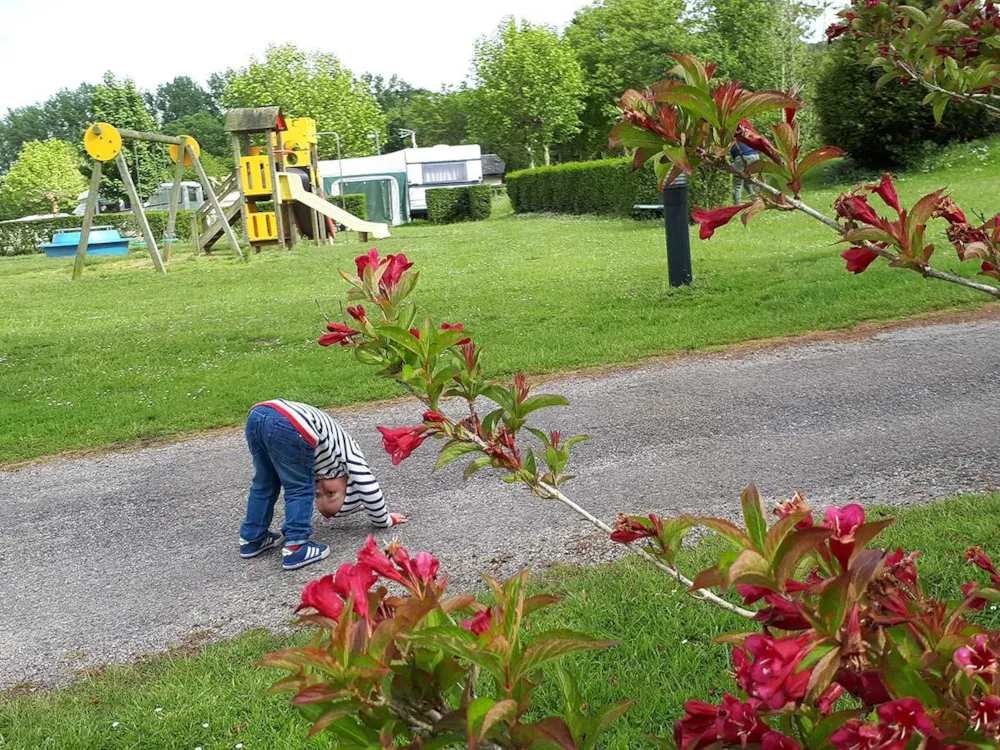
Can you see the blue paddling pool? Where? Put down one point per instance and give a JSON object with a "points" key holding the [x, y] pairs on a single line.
{"points": [[102, 241]]}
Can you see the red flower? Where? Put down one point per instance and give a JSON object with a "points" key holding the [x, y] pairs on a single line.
{"points": [[415, 332], [418, 571], [738, 722], [426, 567], [855, 735], [906, 717], [746, 135], [858, 258], [835, 29], [829, 698], [797, 504], [887, 192], [773, 678], [433, 417], [370, 556], [355, 580], [398, 264], [321, 596], [985, 712], [369, 259], [628, 529], [715, 218], [868, 687], [903, 567], [339, 334], [978, 658], [358, 313], [948, 210], [400, 442], [480, 622], [782, 614], [856, 208], [844, 522], [976, 603], [697, 728], [980, 559], [778, 741]]}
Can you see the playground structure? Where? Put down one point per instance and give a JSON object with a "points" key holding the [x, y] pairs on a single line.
{"points": [[286, 175], [103, 143]]}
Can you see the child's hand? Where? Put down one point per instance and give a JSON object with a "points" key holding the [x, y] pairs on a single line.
{"points": [[398, 518]]}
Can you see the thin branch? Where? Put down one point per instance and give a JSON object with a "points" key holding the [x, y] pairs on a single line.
{"points": [[703, 594], [799, 205], [978, 99]]}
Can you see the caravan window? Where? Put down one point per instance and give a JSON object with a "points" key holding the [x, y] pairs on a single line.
{"points": [[447, 172]]}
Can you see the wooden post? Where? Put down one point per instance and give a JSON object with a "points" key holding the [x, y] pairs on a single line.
{"points": [[195, 231], [238, 171], [279, 219], [175, 198], [88, 218], [140, 215], [213, 198]]}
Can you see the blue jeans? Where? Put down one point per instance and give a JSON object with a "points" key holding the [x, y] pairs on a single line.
{"points": [[281, 459]]}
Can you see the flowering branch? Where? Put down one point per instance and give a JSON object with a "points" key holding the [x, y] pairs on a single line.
{"points": [[691, 119], [437, 363]]}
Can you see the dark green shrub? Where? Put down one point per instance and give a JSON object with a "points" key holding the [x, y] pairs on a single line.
{"points": [[23, 238], [886, 127], [447, 205], [605, 187], [353, 203]]}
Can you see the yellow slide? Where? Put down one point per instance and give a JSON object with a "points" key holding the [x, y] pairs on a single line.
{"points": [[292, 190]]}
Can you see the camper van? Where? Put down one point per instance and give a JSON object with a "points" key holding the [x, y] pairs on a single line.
{"points": [[396, 184]]}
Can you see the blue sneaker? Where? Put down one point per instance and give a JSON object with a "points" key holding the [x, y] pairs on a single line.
{"points": [[306, 554], [270, 540]]}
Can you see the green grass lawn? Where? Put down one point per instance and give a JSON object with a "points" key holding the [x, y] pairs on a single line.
{"points": [[125, 354], [666, 656]]}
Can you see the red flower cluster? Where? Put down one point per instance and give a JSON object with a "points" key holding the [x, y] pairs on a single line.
{"points": [[772, 678], [327, 596], [733, 724], [396, 266], [844, 522], [339, 334], [629, 529], [899, 721], [456, 327], [713, 219]]}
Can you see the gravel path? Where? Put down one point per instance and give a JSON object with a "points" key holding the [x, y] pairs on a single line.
{"points": [[111, 557]]}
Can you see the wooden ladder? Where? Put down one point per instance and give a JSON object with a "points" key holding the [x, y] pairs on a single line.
{"points": [[204, 240]]}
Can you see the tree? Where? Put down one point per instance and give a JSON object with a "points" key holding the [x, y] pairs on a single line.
{"points": [[440, 117], [180, 98], [530, 89], [121, 104], [206, 129], [622, 44], [395, 97], [45, 178], [311, 84], [64, 115]]}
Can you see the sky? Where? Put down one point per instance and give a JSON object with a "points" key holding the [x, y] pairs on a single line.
{"points": [[46, 45]]}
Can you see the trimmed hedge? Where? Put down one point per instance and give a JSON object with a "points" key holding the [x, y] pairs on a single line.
{"points": [[353, 203], [606, 187], [472, 203], [24, 237]]}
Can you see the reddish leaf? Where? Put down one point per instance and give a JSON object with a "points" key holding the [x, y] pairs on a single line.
{"points": [[794, 548], [815, 158], [822, 675], [724, 528]]}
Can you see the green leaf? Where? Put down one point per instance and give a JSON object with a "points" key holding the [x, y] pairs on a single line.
{"points": [[400, 336], [914, 13], [749, 568], [939, 107], [821, 733], [475, 465], [696, 102], [454, 449], [816, 157], [555, 643], [753, 516], [541, 401], [602, 721], [759, 102], [823, 674], [632, 136], [886, 78], [869, 531], [725, 529], [905, 682], [833, 603]]}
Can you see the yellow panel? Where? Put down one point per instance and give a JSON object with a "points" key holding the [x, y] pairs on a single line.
{"points": [[102, 141], [262, 226], [298, 158], [255, 175]]}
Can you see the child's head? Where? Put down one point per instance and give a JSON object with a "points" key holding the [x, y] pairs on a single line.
{"points": [[330, 495]]}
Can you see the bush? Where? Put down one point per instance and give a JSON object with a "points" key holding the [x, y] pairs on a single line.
{"points": [[887, 127], [23, 238], [447, 205], [353, 203], [605, 187]]}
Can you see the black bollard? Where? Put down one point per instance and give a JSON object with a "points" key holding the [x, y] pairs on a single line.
{"points": [[675, 218]]}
